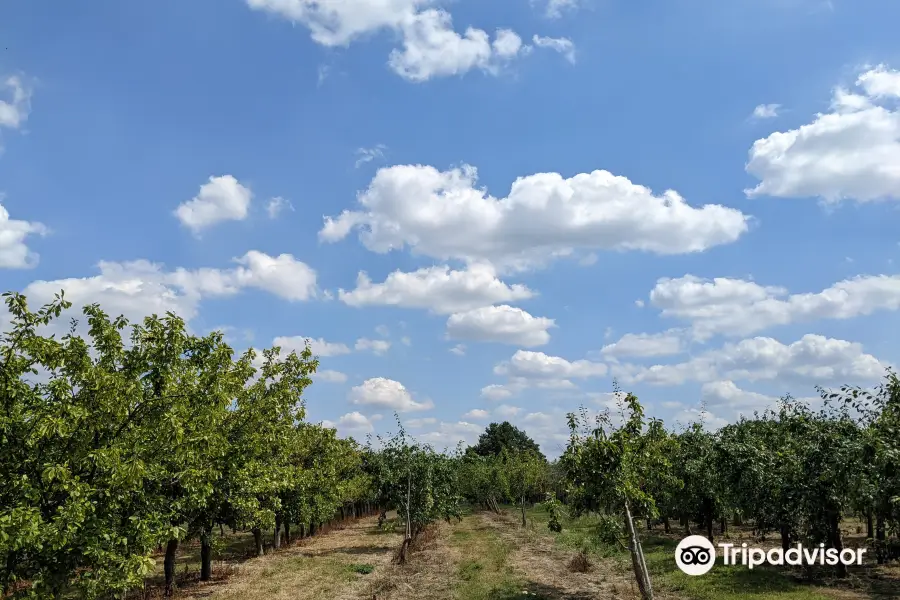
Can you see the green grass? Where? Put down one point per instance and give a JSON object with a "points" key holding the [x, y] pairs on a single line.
{"points": [[722, 583], [362, 569], [484, 573]]}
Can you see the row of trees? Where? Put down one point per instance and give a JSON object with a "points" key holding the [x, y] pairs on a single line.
{"points": [[114, 445], [136, 438], [789, 471]]}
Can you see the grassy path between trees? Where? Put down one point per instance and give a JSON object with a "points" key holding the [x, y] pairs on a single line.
{"points": [[486, 557]]}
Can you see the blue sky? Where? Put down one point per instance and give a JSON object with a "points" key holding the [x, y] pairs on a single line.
{"points": [[146, 147]]}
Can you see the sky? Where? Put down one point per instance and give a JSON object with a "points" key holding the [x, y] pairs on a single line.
{"points": [[474, 211]]}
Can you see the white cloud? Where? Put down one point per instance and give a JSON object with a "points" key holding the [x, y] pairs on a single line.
{"points": [[448, 435], [282, 275], [276, 205], [383, 331], [406, 341], [14, 253], [556, 8], [496, 392], [352, 423], [373, 346], [430, 45], [438, 289], [505, 411], [852, 152], [319, 347], [709, 421], [431, 48], [477, 414], [645, 344], [458, 350], [502, 324], [766, 111], [369, 154], [444, 216], [339, 22], [386, 393], [812, 360], [419, 423], [139, 288], [329, 376], [15, 111], [740, 307], [537, 365], [221, 199], [562, 45], [727, 395]]}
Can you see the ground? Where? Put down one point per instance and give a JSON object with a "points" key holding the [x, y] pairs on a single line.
{"points": [[486, 556]]}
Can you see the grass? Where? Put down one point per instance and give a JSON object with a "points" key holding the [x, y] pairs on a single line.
{"points": [[362, 569], [484, 573], [722, 583]]}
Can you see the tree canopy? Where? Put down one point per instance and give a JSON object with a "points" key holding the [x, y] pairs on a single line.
{"points": [[498, 437]]}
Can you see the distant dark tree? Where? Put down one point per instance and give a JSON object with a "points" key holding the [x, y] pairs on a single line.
{"points": [[504, 436]]}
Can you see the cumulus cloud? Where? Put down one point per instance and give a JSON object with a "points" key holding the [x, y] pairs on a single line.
{"points": [[741, 307], [221, 199], [448, 435], [562, 45], [458, 350], [501, 324], [277, 205], [496, 391], [766, 111], [849, 153], [430, 46], [329, 376], [437, 289], [505, 411], [419, 423], [14, 253], [380, 392], [477, 414], [352, 423], [14, 111], [537, 365], [373, 346], [556, 8], [444, 215], [726, 395], [812, 360], [139, 288], [319, 347], [645, 345]]}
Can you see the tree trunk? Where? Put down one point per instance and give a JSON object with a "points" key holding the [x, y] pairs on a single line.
{"points": [[524, 524], [287, 531], [723, 525], [649, 525], [277, 537], [169, 567], [206, 554], [870, 526], [221, 529], [785, 537], [312, 528], [666, 525], [258, 540], [686, 522], [880, 529], [836, 542]]}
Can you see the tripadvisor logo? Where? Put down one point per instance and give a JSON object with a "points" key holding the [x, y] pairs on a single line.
{"points": [[695, 555]]}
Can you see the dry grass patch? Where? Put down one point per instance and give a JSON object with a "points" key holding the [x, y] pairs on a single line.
{"points": [[329, 566]]}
